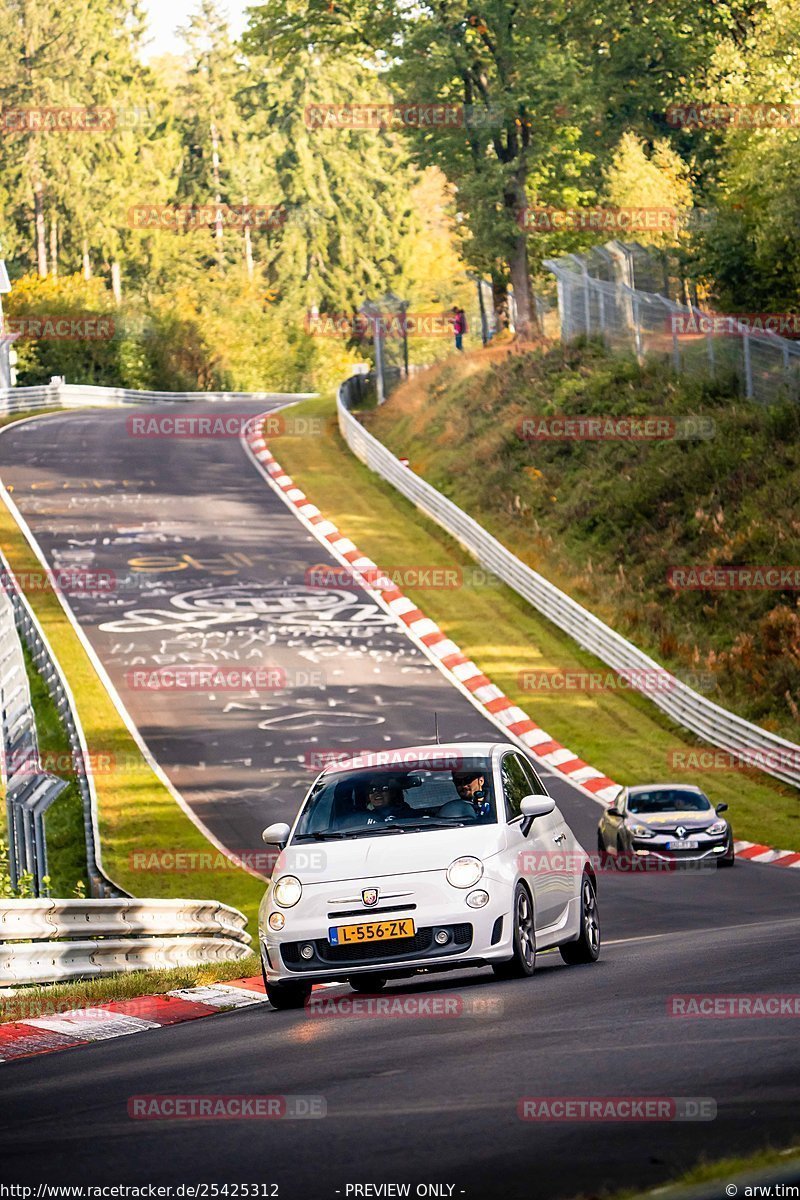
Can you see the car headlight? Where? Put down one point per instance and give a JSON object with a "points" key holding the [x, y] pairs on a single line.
{"points": [[464, 872], [717, 828], [641, 831], [287, 891]]}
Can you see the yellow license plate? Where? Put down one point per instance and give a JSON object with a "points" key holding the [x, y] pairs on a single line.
{"points": [[375, 931]]}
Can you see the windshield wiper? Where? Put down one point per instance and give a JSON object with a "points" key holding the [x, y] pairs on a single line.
{"points": [[321, 837], [370, 829], [438, 823]]}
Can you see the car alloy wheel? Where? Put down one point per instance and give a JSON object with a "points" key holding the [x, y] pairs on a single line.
{"points": [[587, 947], [523, 963]]}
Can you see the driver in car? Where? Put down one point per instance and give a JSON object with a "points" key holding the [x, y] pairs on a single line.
{"points": [[385, 802], [470, 788]]}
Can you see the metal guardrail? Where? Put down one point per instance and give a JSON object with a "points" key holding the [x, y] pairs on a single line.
{"points": [[69, 939], [709, 721], [79, 395], [30, 790], [29, 630]]}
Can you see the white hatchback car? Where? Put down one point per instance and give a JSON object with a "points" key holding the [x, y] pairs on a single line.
{"points": [[424, 859]]}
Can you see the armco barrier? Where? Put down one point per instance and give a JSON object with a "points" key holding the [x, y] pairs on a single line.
{"points": [[79, 395], [686, 707], [30, 790], [43, 941], [27, 848]]}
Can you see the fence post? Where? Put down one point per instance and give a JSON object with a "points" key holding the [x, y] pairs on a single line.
{"points": [[587, 308], [676, 354], [712, 362], [637, 329], [748, 367]]}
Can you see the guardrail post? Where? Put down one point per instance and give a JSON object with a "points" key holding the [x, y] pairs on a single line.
{"points": [[748, 368]]}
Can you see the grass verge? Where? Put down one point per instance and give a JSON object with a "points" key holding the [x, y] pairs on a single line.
{"points": [[60, 997], [723, 1170], [622, 734], [136, 812]]}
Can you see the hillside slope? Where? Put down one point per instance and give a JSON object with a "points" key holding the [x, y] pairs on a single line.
{"points": [[608, 521]]}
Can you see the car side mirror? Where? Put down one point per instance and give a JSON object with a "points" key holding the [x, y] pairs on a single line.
{"points": [[721, 808], [533, 807], [277, 834]]}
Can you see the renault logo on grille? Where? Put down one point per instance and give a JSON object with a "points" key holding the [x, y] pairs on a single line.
{"points": [[681, 832], [370, 896]]}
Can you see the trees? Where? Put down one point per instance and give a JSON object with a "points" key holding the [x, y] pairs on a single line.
{"points": [[504, 72]]}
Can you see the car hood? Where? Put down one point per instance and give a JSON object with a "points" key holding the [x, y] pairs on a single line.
{"points": [[690, 820], [386, 854]]}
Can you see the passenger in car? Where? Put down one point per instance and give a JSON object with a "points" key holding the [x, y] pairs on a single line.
{"points": [[471, 787], [386, 802]]}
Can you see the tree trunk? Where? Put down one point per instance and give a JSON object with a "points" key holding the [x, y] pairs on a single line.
{"points": [[54, 244], [39, 225], [500, 301], [248, 245], [116, 282], [217, 195], [87, 262], [526, 325]]}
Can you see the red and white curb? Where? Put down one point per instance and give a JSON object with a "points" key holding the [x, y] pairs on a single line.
{"points": [[118, 1018], [446, 655], [754, 852]]}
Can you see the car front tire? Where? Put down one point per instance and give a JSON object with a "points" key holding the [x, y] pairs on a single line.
{"points": [[523, 963], [587, 947], [288, 995], [729, 859], [367, 984]]}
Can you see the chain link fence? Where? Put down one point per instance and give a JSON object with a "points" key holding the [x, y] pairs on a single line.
{"points": [[600, 294]]}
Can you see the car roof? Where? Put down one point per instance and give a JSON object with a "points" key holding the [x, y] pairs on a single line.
{"points": [[398, 757]]}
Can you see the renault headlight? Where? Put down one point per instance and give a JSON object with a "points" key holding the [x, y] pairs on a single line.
{"points": [[641, 831], [717, 828], [464, 872], [287, 891]]}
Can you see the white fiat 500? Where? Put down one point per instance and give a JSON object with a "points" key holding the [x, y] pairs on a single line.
{"points": [[424, 859]]}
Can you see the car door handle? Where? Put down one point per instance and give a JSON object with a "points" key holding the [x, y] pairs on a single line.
{"points": [[560, 837]]}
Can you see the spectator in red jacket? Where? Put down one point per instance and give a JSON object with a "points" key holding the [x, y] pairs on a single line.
{"points": [[459, 326]]}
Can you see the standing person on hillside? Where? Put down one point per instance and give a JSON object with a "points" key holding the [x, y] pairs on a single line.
{"points": [[459, 326]]}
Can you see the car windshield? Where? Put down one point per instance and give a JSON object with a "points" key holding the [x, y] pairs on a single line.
{"points": [[667, 800], [380, 800]]}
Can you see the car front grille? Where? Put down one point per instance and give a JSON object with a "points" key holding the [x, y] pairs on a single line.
{"points": [[418, 946]]}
